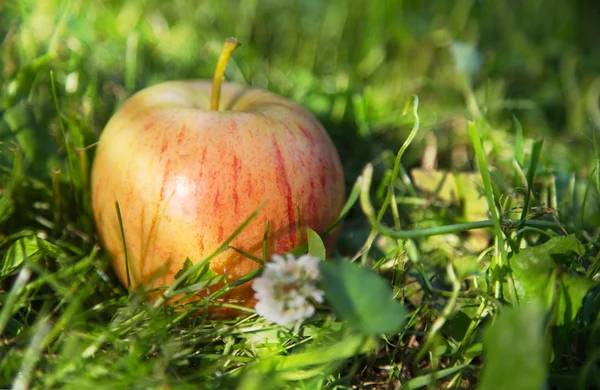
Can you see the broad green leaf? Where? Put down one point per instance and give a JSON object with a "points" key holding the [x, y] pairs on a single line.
{"points": [[537, 277], [30, 248], [361, 297], [532, 267], [573, 290], [515, 357], [316, 247]]}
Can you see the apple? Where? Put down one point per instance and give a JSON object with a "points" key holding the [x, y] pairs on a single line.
{"points": [[186, 174]]}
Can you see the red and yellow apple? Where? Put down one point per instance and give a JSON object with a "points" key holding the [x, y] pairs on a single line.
{"points": [[186, 177]]}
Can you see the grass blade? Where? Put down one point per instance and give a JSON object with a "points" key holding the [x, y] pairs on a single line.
{"points": [[536, 151], [224, 246], [122, 229]]}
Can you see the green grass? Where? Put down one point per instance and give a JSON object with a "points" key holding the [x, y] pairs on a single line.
{"points": [[514, 305]]}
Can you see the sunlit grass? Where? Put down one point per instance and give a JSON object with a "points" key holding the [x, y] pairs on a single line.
{"points": [[484, 82]]}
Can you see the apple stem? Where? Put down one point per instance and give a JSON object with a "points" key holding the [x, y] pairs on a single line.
{"points": [[228, 48]]}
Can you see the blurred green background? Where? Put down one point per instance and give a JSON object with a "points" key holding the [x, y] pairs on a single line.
{"points": [[352, 63]]}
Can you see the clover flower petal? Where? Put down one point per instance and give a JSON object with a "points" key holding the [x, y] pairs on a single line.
{"points": [[286, 291]]}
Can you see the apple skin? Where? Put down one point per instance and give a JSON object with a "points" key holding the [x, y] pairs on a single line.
{"points": [[186, 177]]}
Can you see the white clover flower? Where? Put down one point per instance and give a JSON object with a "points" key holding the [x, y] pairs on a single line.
{"points": [[287, 289]]}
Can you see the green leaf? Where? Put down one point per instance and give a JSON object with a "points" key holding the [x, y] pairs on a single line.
{"points": [[30, 248], [536, 277], [573, 290], [186, 265], [361, 297], [474, 350], [202, 274], [532, 267], [316, 247], [515, 351]]}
